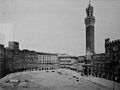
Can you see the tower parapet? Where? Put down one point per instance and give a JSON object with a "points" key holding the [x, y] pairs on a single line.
{"points": [[108, 42], [90, 19]]}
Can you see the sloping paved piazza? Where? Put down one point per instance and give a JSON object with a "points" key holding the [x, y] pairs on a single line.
{"points": [[48, 80]]}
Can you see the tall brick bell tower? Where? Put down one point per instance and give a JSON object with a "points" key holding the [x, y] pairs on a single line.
{"points": [[89, 22]]}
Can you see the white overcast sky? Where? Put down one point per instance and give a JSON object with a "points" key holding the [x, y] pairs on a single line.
{"points": [[58, 25]]}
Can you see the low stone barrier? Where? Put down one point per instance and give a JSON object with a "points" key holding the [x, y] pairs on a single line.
{"points": [[12, 75], [105, 83], [102, 82]]}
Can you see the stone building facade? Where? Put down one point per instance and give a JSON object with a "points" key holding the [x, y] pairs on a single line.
{"points": [[9, 62], [112, 50], [98, 65], [67, 62], [81, 63], [107, 65], [1, 60], [24, 60], [48, 61], [12, 59]]}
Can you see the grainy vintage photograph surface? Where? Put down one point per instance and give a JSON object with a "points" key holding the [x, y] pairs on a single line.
{"points": [[59, 44]]}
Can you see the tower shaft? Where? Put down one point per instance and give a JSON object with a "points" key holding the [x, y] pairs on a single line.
{"points": [[89, 22], [90, 39]]}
